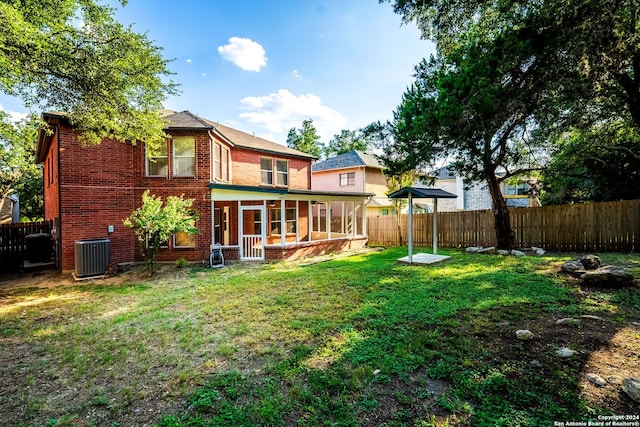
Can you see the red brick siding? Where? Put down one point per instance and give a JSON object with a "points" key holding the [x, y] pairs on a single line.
{"points": [[101, 185], [246, 169], [51, 184]]}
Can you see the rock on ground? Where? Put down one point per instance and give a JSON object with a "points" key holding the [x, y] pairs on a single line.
{"points": [[631, 386]]}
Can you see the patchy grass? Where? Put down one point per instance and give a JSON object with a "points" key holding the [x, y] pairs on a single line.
{"points": [[358, 340]]}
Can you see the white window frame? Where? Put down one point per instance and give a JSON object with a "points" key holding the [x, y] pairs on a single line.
{"points": [[176, 157], [220, 163], [153, 158], [269, 172], [282, 174], [348, 179]]}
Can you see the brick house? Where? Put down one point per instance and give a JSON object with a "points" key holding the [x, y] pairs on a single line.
{"points": [[253, 196], [355, 171]]}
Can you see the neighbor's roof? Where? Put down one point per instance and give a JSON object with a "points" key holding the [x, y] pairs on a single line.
{"points": [[347, 160], [442, 173], [380, 202], [421, 193], [185, 120]]}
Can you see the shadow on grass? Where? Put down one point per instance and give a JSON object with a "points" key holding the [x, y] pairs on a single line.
{"points": [[429, 345]]}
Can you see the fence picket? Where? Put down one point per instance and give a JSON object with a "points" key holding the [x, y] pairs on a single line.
{"points": [[602, 226]]}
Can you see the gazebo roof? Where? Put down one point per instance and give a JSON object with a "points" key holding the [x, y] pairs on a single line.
{"points": [[421, 193]]}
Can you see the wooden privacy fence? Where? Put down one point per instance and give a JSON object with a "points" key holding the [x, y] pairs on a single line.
{"points": [[13, 243], [601, 227]]}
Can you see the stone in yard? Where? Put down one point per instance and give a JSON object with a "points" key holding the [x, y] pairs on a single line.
{"points": [[631, 386], [489, 250], [538, 251], [591, 262], [596, 379], [474, 249], [591, 316], [608, 276], [503, 252], [524, 334], [565, 352], [572, 267], [515, 252], [567, 321], [614, 380]]}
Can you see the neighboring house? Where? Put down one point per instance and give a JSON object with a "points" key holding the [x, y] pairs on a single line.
{"points": [[354, 171], [253, 196], [10, 209], [477, 197]]}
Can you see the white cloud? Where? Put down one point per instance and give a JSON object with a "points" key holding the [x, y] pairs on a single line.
{"points": [[296, 75], [245, 53], [189, 61], [281, 111], [14, 116]]}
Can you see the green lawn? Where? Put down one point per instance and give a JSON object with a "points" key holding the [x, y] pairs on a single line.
{"points": [[358, 340]]}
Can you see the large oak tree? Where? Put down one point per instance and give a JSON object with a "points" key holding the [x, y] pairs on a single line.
{"points": [[73, 56]]}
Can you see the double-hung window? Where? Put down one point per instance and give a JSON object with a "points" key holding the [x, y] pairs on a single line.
{"points": [[282, 168], [266, 171], [347, 179], [184, 156], [221, 162], [156, 162]]}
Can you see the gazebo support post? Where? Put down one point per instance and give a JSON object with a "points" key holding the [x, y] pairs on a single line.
{"points": [[410, 237], [435, 226]]}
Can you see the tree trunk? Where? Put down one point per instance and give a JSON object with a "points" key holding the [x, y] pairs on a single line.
{"points": [[505, 237]]}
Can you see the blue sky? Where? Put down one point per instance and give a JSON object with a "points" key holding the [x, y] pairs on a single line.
{"points": [[264, 66]]}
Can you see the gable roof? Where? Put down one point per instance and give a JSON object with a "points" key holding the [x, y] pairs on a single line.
{"points": [[350, 159], [185, 120], [421, 193]]}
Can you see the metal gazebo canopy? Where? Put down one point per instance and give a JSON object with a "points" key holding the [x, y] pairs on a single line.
{"points": [[422, 193]]}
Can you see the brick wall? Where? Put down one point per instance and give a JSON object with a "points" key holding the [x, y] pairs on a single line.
{"points": [[101, 185], [246, 169]]}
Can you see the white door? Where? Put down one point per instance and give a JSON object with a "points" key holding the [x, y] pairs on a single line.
{"points": [[252, 232]]}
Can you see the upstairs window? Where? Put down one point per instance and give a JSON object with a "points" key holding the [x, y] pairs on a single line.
{"points": [[282, 167], [221, 162], [184, 156], [266, 171], [156, 164], [347, 179], [519, 189]]}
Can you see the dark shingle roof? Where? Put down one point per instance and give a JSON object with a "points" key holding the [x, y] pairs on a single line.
{"points": [[186, 120], [347, 160], [421, 193]]}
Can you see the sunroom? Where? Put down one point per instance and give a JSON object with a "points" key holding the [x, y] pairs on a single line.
{"points": [[258, 223]]}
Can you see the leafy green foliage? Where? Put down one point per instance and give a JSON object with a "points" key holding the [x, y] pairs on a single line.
{"points": [[467, 108], [347, 140], [582, 99], [18, 169], [305, 139], [599, 163], [154, 223], [72, 56]]}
